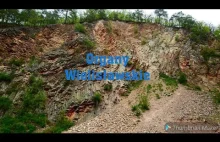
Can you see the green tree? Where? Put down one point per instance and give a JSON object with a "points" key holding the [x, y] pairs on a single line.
{"points": [[160, 14], [101, 14], [138, 14]]}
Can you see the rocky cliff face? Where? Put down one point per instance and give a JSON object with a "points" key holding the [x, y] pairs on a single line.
{"points": [[151, 48]]}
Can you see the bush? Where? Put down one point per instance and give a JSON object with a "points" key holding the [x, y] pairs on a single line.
{"points": [[168, 80], [136, 110], [80, 28], [182, 79], [6, 77], [23, 123], [207, 53], [34, 102], [34, 97], [141, 106], [200, 33], [33, 118], [97, 98], [5, 104], [16, 62], [144, 104], [61, 125], [88, 44], [108, 87], [30, 116]]}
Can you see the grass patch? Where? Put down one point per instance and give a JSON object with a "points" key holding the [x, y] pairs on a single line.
{"points": [[108, 87], [80, 28], [168, 80], [97, 98], [149, 87], [144, 103], [5, 104]]}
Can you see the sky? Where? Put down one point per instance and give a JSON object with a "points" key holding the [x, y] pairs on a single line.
{"points": [[206, 15]]}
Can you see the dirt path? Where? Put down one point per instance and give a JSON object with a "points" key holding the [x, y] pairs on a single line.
{"points": [[183, 105]]}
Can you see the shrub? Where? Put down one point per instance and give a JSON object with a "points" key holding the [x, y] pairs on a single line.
{"points": [[108, 87], [34, 97], [6, 77], [136, 110], [97, 98], [141, 106], [61, 125], [207, 53], [200, 33], [33, 102], [182, 79], [168, 80], [22, 123], [88, 44], [5, 103], [16, 62], [80, 28]]}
